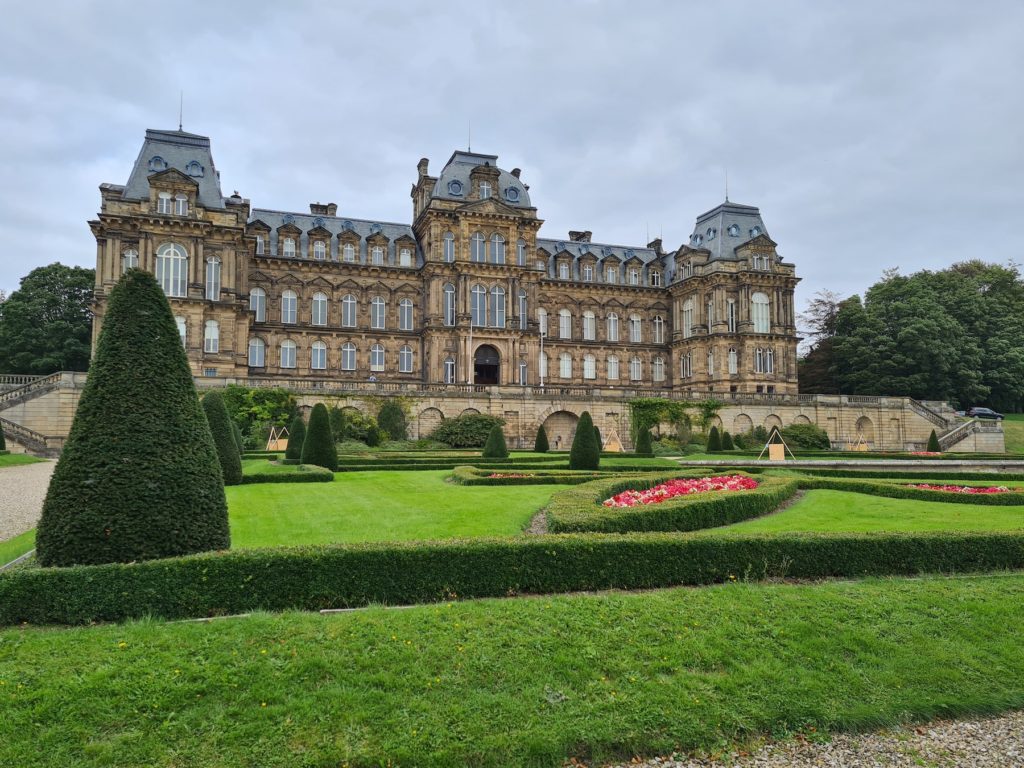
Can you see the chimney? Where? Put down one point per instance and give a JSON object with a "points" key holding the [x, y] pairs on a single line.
{"points": [[655, 245], [323, 209], [580, 237], [421, 166], [516, 172]]}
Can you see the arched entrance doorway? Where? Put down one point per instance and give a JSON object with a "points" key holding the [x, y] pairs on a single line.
{"points": [[486, 365]]}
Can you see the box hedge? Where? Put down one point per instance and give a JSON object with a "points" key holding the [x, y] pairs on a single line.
{"points": [[301, 474]]}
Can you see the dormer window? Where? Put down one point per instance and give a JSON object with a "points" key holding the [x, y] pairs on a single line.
{"points": [[163, 202], [563, 271], [180, 205], [512, 195], [711, 233], [634, 277], [588, 273], [260, 246], [656, 279], [405, 258], [157, 163], [348, 253], [485, 190], [734, 230], [289, 247], [755, 231], [699, 239], [194, 169], [611, 275], [377, 255], [455, 188], [319, 250]]}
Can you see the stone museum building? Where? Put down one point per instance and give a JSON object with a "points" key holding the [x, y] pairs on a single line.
{"points": [[469, 291]]}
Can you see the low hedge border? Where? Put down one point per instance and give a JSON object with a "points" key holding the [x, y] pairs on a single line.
{"points": [[499, 466], [471, 475], [899, 491], [345, 576], [302, 474], [923, 474], [261, 454]]}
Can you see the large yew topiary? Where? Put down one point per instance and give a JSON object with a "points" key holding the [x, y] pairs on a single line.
{"points": [[643, 443], [933, 443], [727, 443], [495, 447], [3, 443], [597, 437], [296, 438], [139, 476], [236, 433], [540, 445], [223, 438], [714, 441], [318, 448], [584, 453]]}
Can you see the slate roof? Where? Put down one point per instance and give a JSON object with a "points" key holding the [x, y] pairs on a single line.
{"points": [[722, 244], [461, 164], [600, 250], [185, 152]]}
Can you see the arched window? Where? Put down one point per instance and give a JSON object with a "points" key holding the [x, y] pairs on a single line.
{"points": [[348, 311], [613, 327], [588, 273], [521, 254], [405, 359], [759, 312], [542, 367], [378, 309], [289, 247], [449, 304], [129, 260], [213, 279], [449, 247], [636, 335], [658, 369], [449, 370], [769, 361], [658, 324], [636, 369], [542, 321], [634, 277], [172, 269], [318, 356], [289, 307], [377, 358], [377, 255], [611, 275], [476, 248], [565, 365], [564, 324], [589, 326], [758, 360], [405, 315], [589, 367], [179, 321], [523, 380], [733, 361], [524, 319], [319, 309], [348, 253], [711, 363], [405, 257], [497, 249], [613, 368], [478, 306], [688, 318], [163, 202], [180, 205], [319, 250], [287, 353], [496, 316], [211, 337], [258, 304], [348, 356], [563, 270], [257, 353]]}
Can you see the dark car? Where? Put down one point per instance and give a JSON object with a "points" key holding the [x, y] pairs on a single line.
{"points": [[984, 413]]}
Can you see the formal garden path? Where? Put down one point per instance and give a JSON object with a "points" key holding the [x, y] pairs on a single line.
{"points": [[22, 490]]}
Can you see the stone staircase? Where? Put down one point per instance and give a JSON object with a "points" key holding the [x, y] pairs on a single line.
{"points": [[33, 442], [25, 392], [15, 390]]}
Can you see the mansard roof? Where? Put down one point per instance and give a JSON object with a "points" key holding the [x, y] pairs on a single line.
{"points": [[714, 230], [335, 225], [454, 182], [600, 250], [187, 153]]}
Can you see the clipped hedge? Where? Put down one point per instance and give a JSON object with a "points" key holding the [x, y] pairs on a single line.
{"points": [[303, 474], [470, 475], [900, 491], [488, 464], [345, 576], [925, 473]]}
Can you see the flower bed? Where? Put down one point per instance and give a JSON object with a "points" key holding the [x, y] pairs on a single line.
{"points": [[680, 487], [505, 475], [925, 453], [961, 488]]}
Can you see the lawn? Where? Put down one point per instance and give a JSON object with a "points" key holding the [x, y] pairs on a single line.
{"points": [[513, 682], [264, 467], [17, 459], [378, 506], [1013, 432], [822, 510], [16, 547]]}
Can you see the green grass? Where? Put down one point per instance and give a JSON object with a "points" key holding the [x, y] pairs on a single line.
{"points": [[1013, 432], [16, 547], [840, 511], [513, 682], [378, 506], [264, 467], [17, 459]]}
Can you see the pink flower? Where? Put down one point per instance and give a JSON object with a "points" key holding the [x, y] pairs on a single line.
{"points": [[681, 487], [961, 488], [504, 475]]}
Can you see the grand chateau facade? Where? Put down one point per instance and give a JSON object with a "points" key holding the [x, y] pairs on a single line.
{"points": [[468, 293]]}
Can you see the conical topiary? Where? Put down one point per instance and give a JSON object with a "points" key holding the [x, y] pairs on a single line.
{"points": [[220, 427], [597, 436], [495, 447], [318, 447], [727, 444], [139, 476], [714, 441], [933, 443], [296, 437], [540, 445], [584, 453], [237, 434], [3, 443], [643, 443]]}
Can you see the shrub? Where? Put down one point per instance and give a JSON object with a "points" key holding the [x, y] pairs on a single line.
{"points": [[296, 437], [806, 436], [714, 441], [540, 445], [643, 443], [236, 433], [495, 447], [740, 441], [933, 443], [597, 437], [318, 446], [759, 435], [585, 453], [727, 444], [391, 418], [256, 409], [223, 438], [3, 443], [374, 435], [301, 474], [139, 476], [467, 431]]}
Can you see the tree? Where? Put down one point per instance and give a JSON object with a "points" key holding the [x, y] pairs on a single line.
{"points": [[495, 447], [540, 444], [296, 437], [223, 438], [714, 441], [257, 409], [391, 418], [46, 325], [374, 435], [597, 437], [470, 430], [318, 446], [727, 444], [139, 477], [584, 453], [643, 443], [236, 433], [933, 443]]}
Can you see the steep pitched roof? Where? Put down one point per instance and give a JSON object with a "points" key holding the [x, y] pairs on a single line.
{"points": [[185, 152]]}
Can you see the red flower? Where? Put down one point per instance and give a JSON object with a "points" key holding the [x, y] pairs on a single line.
{"points": [[961, 488], [681, 487]]}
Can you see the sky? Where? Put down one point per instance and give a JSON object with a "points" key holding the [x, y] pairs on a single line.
{"points": [[872, 135]]}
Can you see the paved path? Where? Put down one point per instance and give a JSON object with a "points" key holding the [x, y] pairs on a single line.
{"points": [[22, 490]]}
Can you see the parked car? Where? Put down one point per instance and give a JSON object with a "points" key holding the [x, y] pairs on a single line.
{"points": [[984, 413]]}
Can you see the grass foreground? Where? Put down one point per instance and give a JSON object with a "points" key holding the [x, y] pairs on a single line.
{"points": [[17, 459], [1013, 432], [514, 682]]}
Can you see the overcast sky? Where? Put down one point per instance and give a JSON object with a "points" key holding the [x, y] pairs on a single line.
{"points": [[871, 134]]}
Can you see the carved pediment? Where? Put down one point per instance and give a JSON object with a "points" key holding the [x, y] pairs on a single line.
{"points": [[172, 177], [489, 207]]}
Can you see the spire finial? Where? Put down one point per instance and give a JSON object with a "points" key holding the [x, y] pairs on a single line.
{"points": [[469, 136], [181, 106], [727, 185]]}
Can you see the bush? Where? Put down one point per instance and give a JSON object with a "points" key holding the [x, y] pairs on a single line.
{"points": [[468, 475], [495, 447], [727, 444], [256, 409], [933, 443], [236, 433], [301, 474], [467, 431], [643, 443], [374, 435], [740, 442], [391, 418], [759, 435], [597, 438], [139, 476], [223, 438], [714, 441], [806, 436], [318, 446], [3, 443], [585, 453], [540, 445], [296, 437]]}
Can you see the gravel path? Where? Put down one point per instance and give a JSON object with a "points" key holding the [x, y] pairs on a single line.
{"points": [[22, 490], [991, 743]]}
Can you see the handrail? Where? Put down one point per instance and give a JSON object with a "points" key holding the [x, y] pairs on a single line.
{"points": [[43, 382], [927, 413], [28, 437], [14, 380]]}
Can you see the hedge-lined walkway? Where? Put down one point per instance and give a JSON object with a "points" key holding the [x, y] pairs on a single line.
{"points": [[22, 490]]}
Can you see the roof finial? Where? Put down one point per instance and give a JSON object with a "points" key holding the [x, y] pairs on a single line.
{"points": [[181, 106], [727, 184], [469, 136]]}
